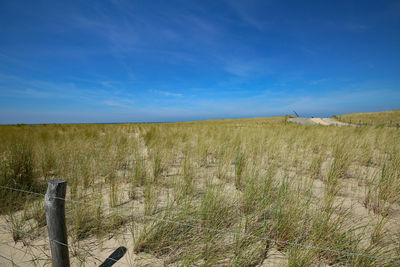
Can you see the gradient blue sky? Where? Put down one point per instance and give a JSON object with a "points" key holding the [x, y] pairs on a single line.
{"points": [[119, 61]]}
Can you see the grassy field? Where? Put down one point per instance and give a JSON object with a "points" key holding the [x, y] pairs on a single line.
{"points": [[335, 188], [378, 119]]}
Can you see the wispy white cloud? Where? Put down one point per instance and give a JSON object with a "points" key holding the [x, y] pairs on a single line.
{"points": [[133, 31], [240, 68], [248, 12], [163, 36], [166, 93], [318, 81], [245, 67], [103, 93], [120, 102]]}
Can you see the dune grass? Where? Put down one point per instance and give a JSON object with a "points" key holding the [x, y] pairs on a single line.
{"points": [[377, 119], [250, 179]]}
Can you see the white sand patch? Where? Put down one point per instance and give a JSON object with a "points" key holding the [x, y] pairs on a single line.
{"points": [[328, 121], [319, 121]]}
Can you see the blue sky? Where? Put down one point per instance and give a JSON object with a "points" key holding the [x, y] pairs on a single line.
{"points": [[120, 61]]}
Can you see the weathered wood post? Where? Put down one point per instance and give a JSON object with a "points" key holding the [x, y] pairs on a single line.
{"points": [[390, 123], [359, 123], [54, 204], [350, 121]]}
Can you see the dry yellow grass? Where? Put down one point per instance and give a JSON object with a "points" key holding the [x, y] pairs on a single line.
{"points": [[378, 119], [329, 187]]}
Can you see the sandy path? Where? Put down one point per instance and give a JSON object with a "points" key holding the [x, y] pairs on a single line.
{"points": [[328, 121], [305, 121], [319, 121]]}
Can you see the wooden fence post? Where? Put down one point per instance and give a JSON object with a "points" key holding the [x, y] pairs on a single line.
{"points": [[56, 226], [359, 123], [390, 123]]}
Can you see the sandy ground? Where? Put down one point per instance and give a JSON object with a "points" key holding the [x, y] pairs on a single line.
{"points": [[319, 121], [33, 248]]}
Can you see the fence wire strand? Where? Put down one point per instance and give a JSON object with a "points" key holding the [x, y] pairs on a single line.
{"points": [[340, 252]]}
